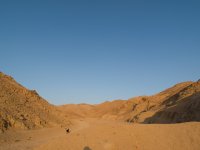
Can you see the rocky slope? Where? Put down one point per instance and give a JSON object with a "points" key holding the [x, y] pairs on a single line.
{"points": [[180, 103], [21, 108], [183, 106]]}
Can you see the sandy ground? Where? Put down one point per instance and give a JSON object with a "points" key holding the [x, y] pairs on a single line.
{"points": [[93, 134]]}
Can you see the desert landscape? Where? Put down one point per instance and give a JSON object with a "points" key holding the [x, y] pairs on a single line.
{"points": [[99, 75], [168, 120]]}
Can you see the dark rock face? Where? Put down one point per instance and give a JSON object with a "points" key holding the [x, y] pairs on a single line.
{"points": [[4, 125], [182, 107]]}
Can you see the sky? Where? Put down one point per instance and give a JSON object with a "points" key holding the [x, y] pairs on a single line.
{"points": [[92, 51]]}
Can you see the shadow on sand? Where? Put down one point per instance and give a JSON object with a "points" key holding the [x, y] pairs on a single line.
{"points": [[87, 148]]}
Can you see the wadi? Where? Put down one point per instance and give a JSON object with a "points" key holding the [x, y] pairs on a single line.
{"points": [[169, 120]]}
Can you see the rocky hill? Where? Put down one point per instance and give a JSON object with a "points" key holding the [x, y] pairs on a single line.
{"points": [[78, 110], [183, 106], [180, 103], [21, 108]]}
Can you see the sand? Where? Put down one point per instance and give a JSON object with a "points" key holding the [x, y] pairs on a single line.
{"points": [[93, 134], [107, 126]]}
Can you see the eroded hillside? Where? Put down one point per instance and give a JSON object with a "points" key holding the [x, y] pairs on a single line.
{"points": [[179, 103], [21, 108]]}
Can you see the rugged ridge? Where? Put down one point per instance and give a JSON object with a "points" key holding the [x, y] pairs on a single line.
{"points": [[180, 103], [184, 106], [21, 108]]}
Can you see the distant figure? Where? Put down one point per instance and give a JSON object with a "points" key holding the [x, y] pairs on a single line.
{"points": [[198, 80], [67, 130]]}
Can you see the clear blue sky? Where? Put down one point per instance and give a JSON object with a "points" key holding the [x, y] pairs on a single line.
{"points": [[89, 51]]}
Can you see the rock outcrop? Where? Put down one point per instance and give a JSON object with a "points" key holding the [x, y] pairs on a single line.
{"points": [[21, 108]]}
